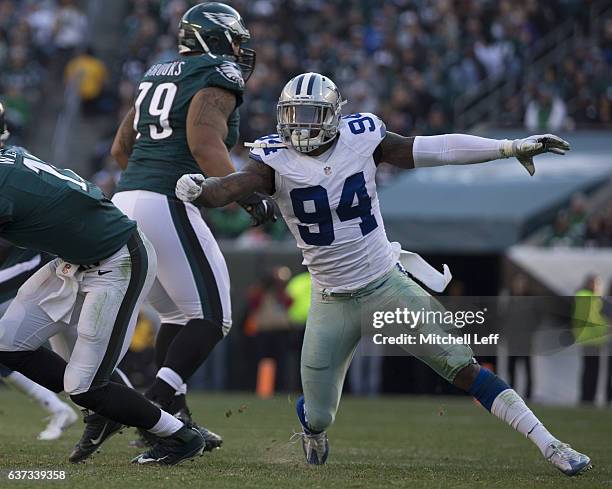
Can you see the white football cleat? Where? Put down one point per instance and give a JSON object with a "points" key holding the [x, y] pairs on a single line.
{"points": [[316, 447], [568, 460], [59, 421]]}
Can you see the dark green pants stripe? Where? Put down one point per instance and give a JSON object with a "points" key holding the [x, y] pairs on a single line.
{"points": [[138, 275], [201, 270]]}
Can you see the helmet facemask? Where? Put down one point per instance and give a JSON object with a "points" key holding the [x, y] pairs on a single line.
{"points": [[307, 125], [246, 60]]}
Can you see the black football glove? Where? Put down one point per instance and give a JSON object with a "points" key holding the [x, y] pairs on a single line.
{"points": [[261, 207]]}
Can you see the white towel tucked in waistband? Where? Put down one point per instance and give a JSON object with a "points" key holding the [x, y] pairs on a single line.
{"points": [[421, 270], [59, 305]]}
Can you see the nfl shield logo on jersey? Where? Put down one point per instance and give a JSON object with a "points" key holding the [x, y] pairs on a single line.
{"points": [[327, 170]]}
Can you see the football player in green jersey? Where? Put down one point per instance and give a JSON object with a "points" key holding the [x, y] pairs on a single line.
{"points": [[184, 120], [104, 270]]}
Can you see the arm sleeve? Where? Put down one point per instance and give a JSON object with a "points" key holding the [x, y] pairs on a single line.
{"points": [[457, 149]]}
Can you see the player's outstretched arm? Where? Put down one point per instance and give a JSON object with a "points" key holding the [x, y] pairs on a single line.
{"points": [[220, 191], [207, 118], [124, 140], [463, 149]]}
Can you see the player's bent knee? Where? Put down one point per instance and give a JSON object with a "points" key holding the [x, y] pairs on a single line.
{"points": [[75, 382], [91, 399], [319, 419]]}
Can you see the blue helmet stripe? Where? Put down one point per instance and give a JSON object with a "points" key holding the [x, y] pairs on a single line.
{"points": [[310, 84], [299, 85]]}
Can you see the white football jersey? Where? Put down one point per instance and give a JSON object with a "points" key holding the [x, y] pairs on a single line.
{"points": [[331, 206]]}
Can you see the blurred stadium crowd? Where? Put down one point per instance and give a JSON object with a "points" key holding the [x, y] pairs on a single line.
{"points": [[37, 38], [406, 60], [578, 225]]}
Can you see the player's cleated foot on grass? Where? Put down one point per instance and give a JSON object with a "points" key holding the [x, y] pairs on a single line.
{"points": [[185, 444], [98, 429], [58, 423], [212, 440], [568, 460], [315, 445]]}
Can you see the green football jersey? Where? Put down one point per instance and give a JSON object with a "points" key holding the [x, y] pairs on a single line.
{"points": [[161, 154], [53, 210]]}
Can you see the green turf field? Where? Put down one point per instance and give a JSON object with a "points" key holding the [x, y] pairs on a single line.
{"points": [[393, 442]]}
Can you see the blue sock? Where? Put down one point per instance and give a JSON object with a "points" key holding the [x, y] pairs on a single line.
{"points": [[487, 387]]}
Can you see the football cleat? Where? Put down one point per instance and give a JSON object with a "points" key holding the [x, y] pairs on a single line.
{"points": [[315, 445], [568, 460], [212, 440], [98, 429], [185, 444], [58, 423]]}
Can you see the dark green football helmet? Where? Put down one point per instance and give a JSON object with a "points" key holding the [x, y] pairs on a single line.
{"points": [[4, 134], [213, 27]]}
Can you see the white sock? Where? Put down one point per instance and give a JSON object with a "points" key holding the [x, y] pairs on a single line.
{"points": [[510, 407], [182, 390], [170, 377], [43, 396], [167, 425]]}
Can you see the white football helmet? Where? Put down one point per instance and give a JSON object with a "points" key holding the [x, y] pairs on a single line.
{"points": [[308, 112]]}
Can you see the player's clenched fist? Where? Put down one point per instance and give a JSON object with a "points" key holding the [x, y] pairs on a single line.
{"points": [[189, 187]]}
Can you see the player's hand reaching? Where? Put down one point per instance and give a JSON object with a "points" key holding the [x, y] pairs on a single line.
{"points": [[526, 149], [260, 207], [189, 187]]}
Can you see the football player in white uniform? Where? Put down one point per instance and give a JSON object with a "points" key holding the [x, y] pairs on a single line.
{"points": [[320, 168], [16, 266]]}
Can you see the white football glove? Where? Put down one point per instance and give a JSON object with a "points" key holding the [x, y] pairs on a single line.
{"points": [[526, 149], [189, 187]]}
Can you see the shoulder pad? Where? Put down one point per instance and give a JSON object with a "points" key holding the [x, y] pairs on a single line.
{"points": [[226, 74], [362, 132], [260, 152]]}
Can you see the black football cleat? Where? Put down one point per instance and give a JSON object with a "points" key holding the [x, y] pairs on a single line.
{"points": [[98, 429], [185, 444], [212, 440]]}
